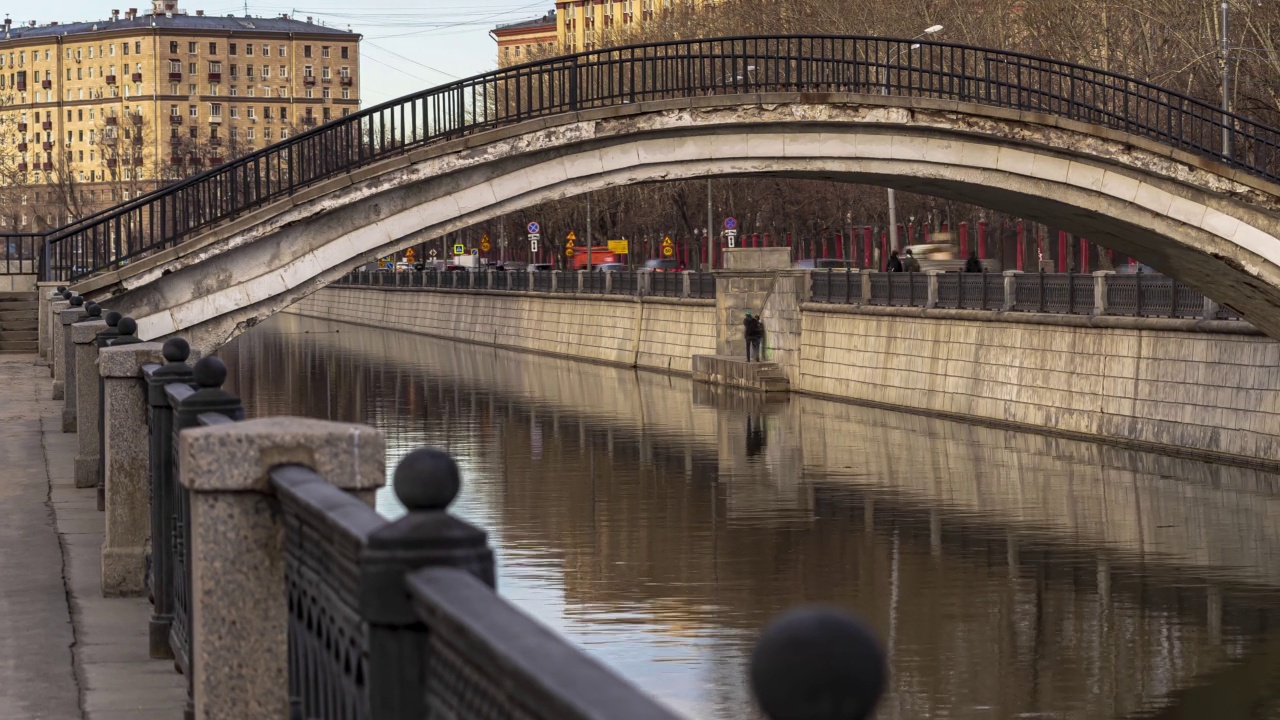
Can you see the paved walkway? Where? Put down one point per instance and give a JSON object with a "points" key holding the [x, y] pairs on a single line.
{"points": [[65, 651]]}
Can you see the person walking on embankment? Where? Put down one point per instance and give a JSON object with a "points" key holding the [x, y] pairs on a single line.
{"points": [[895, 263], [973, 264], [753, 333], [911, 264]]}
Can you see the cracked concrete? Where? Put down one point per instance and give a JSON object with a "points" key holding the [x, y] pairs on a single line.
{"points": [[65, 651]]}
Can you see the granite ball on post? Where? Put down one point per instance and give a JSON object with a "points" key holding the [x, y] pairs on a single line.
{"points": [[817, 663]]}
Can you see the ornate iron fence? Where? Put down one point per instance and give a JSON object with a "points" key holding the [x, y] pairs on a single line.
{"points": [[702, 285], [1061, 293], [625, 282], [1147, 295], [682, 69], [899, 289], [832, 286], [594, 282], [666, 284], [20, 253], [542, 281]]}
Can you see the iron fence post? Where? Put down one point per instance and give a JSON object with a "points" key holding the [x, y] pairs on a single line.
{"points": [[1137, 295], [426, 482]]}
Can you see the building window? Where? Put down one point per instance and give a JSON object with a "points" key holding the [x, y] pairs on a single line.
{"points": [[343, 53], [125, 48], [344, 72], [284, 115], [266, 134], [215, 110], [253, 112], [137, 48], [266, 72], [111, 50], [324, 72], [191, 47], [235, 91], [325, 93], [306, 71], [282, 50], [310, 93], [235, 133], [346, 93], [306, 51], [192, 111], [248, 48], [283, 92], [284, 71], [191, 89], [231, 48], [191, 68], [324, 51], [248, 133], [213, 48], [235, 112]]}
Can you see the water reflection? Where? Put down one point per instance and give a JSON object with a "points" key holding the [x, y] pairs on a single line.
{"points": [[659, 524]]}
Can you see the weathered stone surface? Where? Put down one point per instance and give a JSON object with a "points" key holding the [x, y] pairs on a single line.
{"points": [[56, 346], [84, 335], [68, 318], [240, 655], [737, 372], [128, 519], [771, 258], [44, 292], [236, 457]]}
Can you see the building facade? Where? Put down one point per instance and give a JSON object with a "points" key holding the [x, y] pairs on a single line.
{"points": [[519, 42], [581, 25], [92, 114]]}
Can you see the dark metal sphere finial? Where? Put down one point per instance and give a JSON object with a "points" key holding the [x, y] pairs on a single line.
{"points": [[817, 663], [61, 289], [426, 479], [113, 318], [127, 326], [66, 294], [93, 310], [76, 301], [176, 350], [210, 372]]}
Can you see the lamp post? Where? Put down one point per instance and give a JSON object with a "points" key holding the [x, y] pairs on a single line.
{"points": [[893, 195], [1226, 83]]}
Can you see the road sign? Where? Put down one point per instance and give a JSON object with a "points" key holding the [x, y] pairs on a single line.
{"points": [[484, 245], [618, 247], [568, 252], [731, 237], [484, 237], [533, 242], [730, 223], [475, 251], [666, 242], [569, 243], [409, 256], [571, 237], [668, 251], [432, 252], [534, 228], [459, 249]]}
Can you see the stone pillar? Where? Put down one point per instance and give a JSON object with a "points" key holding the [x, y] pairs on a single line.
{"points": [[1100, 291], [1210, 311], [761, 280], [555, 280], [582, 279], [67, 318], [239, 617], [56, 346], [128, 490], [931, 301], [608, 283], [84, 335], [529, 281], [866, 285], [1010, 289], [685, 283], [46, 292]]}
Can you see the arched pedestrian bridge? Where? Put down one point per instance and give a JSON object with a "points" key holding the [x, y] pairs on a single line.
{"points": [[1173, 181]]}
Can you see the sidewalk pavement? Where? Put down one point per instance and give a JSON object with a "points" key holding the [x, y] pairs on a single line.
{"points": [[65, 651]]}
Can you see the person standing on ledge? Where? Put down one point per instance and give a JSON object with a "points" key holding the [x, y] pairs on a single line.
{"points": [[895, 263], [973, 264], [753, 333]]}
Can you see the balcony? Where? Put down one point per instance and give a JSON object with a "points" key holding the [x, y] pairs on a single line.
{"points": [[23, 167], [22, 147], [22, 127], [111, 163], [46, 125], [308, 79], [46, 166], [111, 79], [345, 79], [308, 120], [48, 146], [46, 84], [137, 160], [215, 119], [326, 80], [136, 119], [136, 77], [22, 86], [215, 77], [175, 77], [112, 120], [215, 160], [175, 161], [175, 119]]}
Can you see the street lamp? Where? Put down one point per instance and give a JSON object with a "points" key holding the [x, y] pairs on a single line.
{"points": [[893, 196]]}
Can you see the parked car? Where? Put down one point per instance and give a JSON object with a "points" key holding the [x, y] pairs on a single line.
{"points": [[610, 267], [541, 267], [657, 265]]}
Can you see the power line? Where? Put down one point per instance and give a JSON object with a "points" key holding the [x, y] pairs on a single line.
{"points": [[409, 59]]}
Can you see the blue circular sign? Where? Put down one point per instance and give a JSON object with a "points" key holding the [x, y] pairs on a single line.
{"points": [[475, 251], [730, 223], [533, 228]]}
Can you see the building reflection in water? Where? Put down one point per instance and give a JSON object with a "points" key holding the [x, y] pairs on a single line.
{"points": [[659, 524]]}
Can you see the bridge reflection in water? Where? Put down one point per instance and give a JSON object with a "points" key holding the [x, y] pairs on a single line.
{"points": [[659, 524]]}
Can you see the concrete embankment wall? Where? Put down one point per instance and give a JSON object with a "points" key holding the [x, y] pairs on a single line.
{"points": [[1208, 392], [1196, 393], [657, 334]]}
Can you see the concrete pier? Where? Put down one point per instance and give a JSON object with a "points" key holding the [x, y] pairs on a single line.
{"points": [[66, 652]]}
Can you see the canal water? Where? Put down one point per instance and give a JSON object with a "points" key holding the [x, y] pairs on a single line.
{"points": [[658, 524]]}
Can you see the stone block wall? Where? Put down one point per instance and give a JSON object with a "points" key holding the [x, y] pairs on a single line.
{"points": [[1209, 392], [659, 333]]}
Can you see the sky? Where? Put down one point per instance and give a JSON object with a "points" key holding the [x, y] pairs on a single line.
{"points": [[408, 45]]}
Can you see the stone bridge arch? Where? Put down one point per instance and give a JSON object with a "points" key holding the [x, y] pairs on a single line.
{"points": [[1194, 218]]}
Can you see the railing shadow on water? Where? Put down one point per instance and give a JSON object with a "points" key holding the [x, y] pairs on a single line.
{"points": [[390, 619], [658, 71]]}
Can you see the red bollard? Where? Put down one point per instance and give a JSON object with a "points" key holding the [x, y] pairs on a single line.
{"points": [[964, 240], [1084, 255], [982, 240], [1062, 251], [1022, 242]]}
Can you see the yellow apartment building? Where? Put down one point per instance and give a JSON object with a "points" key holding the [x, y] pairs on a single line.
{"points": [[93, 113], [521, 41]]}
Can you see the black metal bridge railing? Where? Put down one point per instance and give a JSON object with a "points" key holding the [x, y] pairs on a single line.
{"points": [[672, 70]]}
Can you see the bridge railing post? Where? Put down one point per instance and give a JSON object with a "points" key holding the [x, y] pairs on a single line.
{"points": [[84, 334], [932, 300], [1100, 291], [56, 343], [686, 279], [866, 274], [104, 337], [68, 318], [127, 492], [1010, 290], [238, 611], [1210, 311]]}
